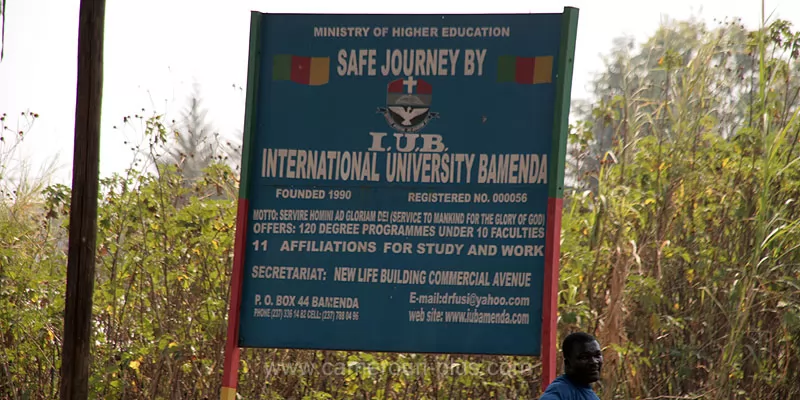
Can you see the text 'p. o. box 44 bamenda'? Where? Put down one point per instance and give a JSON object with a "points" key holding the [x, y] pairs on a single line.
{"points": [[401, 183]]}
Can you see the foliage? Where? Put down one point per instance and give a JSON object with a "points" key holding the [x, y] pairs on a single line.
{"points": [[680, 251], [681, 243]]}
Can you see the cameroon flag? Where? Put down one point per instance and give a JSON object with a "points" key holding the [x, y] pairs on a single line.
{"points": [[313, 71], [525, 70]]}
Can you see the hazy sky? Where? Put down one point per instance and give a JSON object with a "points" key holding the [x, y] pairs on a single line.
{"points": [[156, 49]]}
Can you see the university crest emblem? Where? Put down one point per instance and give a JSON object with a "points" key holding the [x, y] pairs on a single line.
{"points": [[408, 104]]}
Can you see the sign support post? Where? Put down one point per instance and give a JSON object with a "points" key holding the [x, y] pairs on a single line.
{"points": [[230, 373], [401, 185], [566, 60]]}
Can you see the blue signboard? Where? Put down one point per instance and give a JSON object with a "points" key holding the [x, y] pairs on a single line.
{"points": [[397, 178]]}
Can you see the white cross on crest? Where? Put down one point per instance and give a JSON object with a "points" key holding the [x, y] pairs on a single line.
{"points": [[410, 82]]}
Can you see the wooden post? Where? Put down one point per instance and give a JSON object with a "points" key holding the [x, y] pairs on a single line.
{"points": [[83, 208]]}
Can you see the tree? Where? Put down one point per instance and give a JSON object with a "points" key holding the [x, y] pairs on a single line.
{"points": [[680, 243], [196, 143], [643, 81]]}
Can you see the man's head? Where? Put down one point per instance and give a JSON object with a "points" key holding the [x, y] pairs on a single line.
{"points": [[583, 358]]}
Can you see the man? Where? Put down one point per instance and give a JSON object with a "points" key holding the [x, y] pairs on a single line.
{"points": [[583, 361]]}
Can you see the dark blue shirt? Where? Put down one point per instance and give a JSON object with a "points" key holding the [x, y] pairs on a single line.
{"points": [[564, 389]]}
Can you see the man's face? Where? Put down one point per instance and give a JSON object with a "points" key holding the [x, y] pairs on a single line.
{"points": [[585, 362]]}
